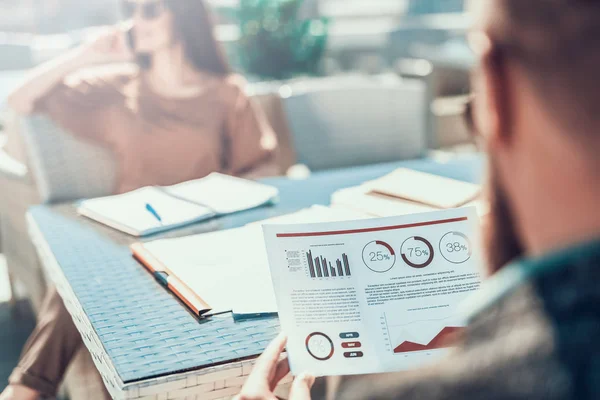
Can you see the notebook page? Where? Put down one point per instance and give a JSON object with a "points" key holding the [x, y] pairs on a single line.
{"points": [[359, 198], [128, 213], [225, 194], [428, 189]]}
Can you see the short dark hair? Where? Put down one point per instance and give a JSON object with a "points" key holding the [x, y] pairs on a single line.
{"points": [[558, 43]]}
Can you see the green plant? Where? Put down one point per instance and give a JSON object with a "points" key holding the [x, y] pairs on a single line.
{"points": [[277, 42]]}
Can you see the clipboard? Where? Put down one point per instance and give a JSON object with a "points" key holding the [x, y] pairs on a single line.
{"points": [[169, 281]]}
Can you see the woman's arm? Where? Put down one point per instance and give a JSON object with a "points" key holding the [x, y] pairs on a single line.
{"points": [[108, 47], [43, 79], [264, 170], [252, 142]]}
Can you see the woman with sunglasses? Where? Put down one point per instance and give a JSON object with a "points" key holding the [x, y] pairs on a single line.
{"points": [[169, 108], [174, 115]]}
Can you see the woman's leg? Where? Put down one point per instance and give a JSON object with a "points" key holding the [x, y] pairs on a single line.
{"points": [[49, 350]]}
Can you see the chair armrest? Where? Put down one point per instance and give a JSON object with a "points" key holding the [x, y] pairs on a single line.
{"points": [[11, 168], [64, 166], [298, 172], [450, 127]]}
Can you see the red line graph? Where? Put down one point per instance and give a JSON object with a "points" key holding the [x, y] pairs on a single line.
{"points": [[444, 339]]}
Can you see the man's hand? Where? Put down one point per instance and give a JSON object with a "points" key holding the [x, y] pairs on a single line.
{"points": [[269, 371]]}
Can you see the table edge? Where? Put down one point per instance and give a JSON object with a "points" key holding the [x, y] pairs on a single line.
{"points": [[216, 382]]}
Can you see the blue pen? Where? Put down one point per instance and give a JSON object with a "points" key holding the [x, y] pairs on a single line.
{"points": [[245, 317], [152, 211]]}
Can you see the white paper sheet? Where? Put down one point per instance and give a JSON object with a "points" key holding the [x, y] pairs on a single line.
{"points": [[225, 194], [358, 198], [214, 265], [225, 268], [389, 297]]}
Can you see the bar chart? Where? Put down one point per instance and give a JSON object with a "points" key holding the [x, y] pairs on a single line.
{"points": [[321, 267]]}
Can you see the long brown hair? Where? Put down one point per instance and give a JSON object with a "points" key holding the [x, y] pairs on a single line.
{"points": [[195, 28]]}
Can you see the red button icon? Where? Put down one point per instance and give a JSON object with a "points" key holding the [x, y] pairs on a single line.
{"points": [[353, 354], [351, 345]]}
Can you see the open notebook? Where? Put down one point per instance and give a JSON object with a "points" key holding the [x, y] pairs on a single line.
{"points": [[154, 209], [426, 189], [225, 271]]}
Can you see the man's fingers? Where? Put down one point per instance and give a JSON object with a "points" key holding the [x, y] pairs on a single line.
{"points": [[266, 362], [281, 371], [301, 387], [255, 396]]}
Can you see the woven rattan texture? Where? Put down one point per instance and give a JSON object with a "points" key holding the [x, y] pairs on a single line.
{"points": [[145, 330]]}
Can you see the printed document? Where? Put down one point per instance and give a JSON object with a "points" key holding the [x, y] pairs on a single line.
{"points": [[374, 295]]}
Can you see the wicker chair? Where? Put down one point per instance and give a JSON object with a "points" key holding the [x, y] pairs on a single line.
{"points": [[356, 120], [47, 179]]}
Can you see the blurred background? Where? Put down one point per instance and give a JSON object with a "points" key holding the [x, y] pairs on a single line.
{"points": [[348, 47], [271, 39]]}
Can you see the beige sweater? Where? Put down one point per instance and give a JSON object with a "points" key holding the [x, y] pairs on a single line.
{"points": [[158, 140]]}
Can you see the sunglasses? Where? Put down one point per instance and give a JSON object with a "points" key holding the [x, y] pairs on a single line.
{"points": [[147, 9], [468, 117], [469, 121]]}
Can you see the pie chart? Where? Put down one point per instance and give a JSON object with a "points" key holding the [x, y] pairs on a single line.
{"points": [[456, 247], [379, 256], [319, 346], [417, 252]]}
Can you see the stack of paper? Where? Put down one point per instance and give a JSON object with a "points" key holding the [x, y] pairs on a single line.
{"points": [[229, 269], [406, 191]]}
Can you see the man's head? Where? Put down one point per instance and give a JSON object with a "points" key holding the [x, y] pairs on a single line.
{"points": [[537, 108]]}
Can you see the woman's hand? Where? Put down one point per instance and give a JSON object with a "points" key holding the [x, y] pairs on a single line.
{"points": [[109, 45], [269, 371]]}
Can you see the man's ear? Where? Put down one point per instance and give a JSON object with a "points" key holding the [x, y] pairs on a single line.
{"points": [[496, 118], [492, 111]]}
